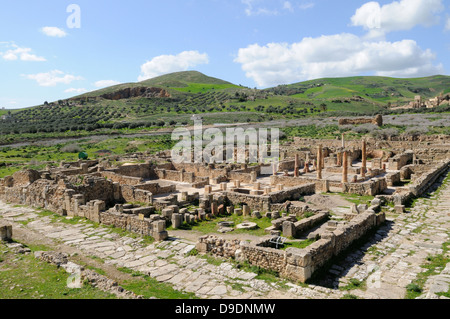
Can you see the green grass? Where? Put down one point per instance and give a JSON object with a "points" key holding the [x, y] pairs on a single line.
{"points": [[35, 156], [433, 266], [149, 287], [211, 226], [24, 277], [354, 284], [298, 244], [357, 199]]}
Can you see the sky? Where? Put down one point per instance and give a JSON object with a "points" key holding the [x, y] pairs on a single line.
{"points": [[56, 49]]}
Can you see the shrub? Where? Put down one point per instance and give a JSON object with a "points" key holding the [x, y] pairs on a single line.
{"points": [[71, 148]]}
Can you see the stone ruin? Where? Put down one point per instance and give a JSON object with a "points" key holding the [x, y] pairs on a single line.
{"points": [[146, 198], [378, 120]]}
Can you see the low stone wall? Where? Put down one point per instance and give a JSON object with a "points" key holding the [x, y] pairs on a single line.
{"points": [[137, 170], [291, 229], [293, 263], [293, 193], [121, 179], [218, 246], [242, 177], [426, 180], [400, 160], [154, 226], [420, 185], [133, 194], [263, 203], [371, 188], [393, 179]]}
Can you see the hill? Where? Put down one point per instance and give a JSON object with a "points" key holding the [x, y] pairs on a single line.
{"points": [[173, 98], [379, 90], [187, 81]]}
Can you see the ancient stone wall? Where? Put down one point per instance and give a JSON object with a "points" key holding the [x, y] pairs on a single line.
{"points": [[400, 160], [293, 263], [127, 180], [373, 187], [378, 120]]}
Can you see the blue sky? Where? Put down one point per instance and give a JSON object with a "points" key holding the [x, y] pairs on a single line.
{"points": [[48, 52]]}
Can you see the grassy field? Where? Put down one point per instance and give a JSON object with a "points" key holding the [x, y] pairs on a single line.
{"points": [[38, 156], [24, 277]]}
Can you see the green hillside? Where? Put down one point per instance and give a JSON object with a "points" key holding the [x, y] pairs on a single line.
{"points": [[187, 81], [379, 90], [217, 101]]}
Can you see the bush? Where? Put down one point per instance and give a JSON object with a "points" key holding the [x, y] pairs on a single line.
{"points": [[413, 288], [364, 129], [71, 148], [416, 131]]}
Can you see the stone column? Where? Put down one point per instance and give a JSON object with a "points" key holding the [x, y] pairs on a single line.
{"points": [[364, 159], [306, 170], [343, 140], [345, 167], [296, 167], [319, 162]]}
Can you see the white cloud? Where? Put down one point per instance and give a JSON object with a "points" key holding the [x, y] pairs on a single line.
{"points": [[334, 56], [53, 78], [259, 7], [164, 64], [74, 90], [397, 16], [106, 83], [54, 32], [288, 6], [308, 5], [18, 53]]}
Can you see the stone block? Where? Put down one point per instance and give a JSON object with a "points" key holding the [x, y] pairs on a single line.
{"points": [[289, 229], [177, 220], [175, 208], [159, 226], [167, 213], [6, 232], [362, 208], [256, 214], [400, 209], [276, 215], [246, 210], [161, 236]]}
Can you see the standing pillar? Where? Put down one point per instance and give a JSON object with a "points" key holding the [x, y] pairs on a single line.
{"points": [[364, 159], [275, 169], [343, 141], [296, 168], [319, 162], [306, 170], [345, 168]]}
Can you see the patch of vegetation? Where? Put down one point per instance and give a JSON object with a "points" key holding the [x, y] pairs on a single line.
{"points": [[354, 284], [298, 244], [24, 277], [148, 287], [433, 266], [350, 296]]}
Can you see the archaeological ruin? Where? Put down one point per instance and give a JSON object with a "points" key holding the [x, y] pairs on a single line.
{"points": [[147, 194]]}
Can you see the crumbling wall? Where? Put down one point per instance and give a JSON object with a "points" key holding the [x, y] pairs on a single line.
{"points": [[400, 160], [378, 120], [121, 179], [373, 187], [293, 263]]}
